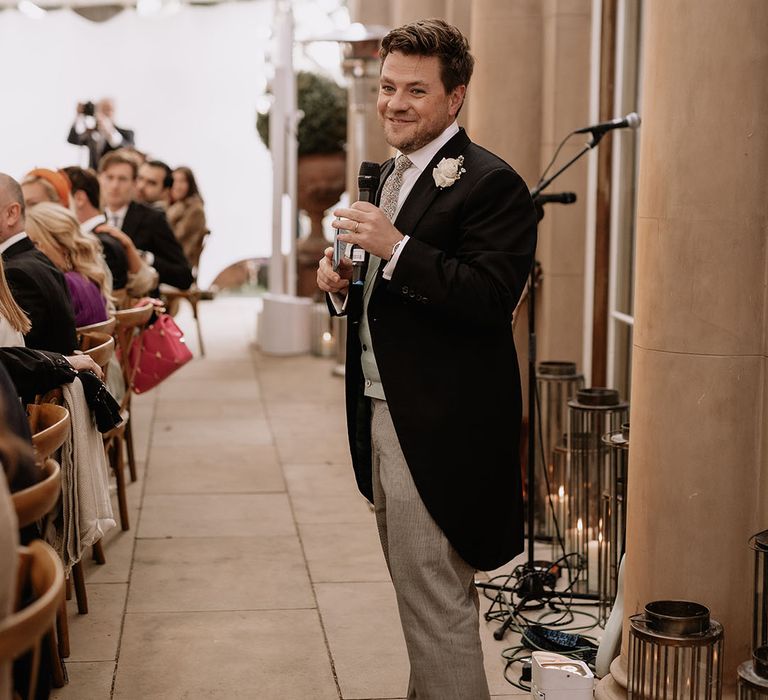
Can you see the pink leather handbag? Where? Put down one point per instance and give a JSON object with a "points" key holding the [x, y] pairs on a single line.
{"points": [[158, 352]]}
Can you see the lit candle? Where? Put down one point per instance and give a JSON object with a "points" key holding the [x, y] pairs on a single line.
{"points": [[592, 563], [326, 346]]}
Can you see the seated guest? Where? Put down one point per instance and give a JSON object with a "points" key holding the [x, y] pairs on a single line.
{"points": [[153, 184], [186, 214], [146, 227], [56, 232], [37, 285], [129, 271], [43, 185]]}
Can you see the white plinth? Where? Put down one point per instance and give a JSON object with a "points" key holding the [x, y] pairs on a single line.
{"points": [[285, 325]]}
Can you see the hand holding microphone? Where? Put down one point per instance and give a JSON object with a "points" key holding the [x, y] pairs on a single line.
{"points": [[365, 225]]}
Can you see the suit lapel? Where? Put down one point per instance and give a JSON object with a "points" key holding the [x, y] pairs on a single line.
{"points": [[425, 191]]}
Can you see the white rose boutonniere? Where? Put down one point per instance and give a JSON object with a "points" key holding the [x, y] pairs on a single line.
{"points": [[448, 170]]}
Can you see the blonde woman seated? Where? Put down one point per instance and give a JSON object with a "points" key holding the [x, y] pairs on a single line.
{"points": [[56, 233]]}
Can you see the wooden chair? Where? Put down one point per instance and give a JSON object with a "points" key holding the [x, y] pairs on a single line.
{"points": [[98, 345], [107, 327], [49, 425], [41, 570], [35, 502], [130, 322], [194, 295]]}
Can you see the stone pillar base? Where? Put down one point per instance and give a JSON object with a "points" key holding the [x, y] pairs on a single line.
{"points": [[609, 689]]}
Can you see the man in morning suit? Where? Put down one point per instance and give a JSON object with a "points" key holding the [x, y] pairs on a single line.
{"points": [[146, 227], [433, 388], [36, 284]]}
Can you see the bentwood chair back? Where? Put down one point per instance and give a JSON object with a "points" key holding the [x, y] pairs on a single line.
{"points": [[41, 572], [36, 501], [49, 425], [107, 327], [99, 346]]}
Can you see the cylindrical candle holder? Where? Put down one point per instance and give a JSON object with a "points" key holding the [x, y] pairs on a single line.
{"points": [[759, 544], [613, 518], [753, 675], [593, 413], [556, 383], [675, 651]]}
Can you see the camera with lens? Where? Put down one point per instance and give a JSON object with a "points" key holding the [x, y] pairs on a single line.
{"points": [[89, 109]]}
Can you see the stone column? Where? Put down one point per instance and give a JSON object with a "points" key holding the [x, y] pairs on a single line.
{"points": [[506, 101], [404, 11], [698, 460], [565, 106]]}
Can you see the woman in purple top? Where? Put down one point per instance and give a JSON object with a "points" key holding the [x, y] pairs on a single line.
{"points": [[56, 232]]}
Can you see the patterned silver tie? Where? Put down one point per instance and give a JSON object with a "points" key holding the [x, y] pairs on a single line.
{"points": [[388, 204]]}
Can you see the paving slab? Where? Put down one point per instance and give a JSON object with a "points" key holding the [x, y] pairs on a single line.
{"points": [[268, 655], [244, 573]]}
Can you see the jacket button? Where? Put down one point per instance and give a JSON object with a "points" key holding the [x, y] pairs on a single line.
{"points": [[404, 290], [412, 294], [424, 300], [365, 348]]}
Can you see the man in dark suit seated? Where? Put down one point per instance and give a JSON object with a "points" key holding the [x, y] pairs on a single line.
{"points": [[146, 227], [94, 127], [36, 284]]}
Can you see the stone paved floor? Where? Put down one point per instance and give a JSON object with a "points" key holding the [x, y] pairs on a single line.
{"points": [[252, 567]]}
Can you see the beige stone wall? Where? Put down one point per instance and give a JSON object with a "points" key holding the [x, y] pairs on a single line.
{"points": [[698, 465]]}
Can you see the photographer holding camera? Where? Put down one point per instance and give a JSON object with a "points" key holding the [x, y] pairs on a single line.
{"points": [[94, 127]]}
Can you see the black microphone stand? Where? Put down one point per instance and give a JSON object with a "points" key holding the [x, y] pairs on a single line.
{"points": [[531, 588]]}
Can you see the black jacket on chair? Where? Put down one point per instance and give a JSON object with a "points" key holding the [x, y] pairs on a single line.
{"points": [[40, 290], [150, 230]]}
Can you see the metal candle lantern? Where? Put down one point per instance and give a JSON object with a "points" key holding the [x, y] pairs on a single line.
{"points": [[675, 652], [613, 519], [556, 383], [753, 675], [592, 414]]}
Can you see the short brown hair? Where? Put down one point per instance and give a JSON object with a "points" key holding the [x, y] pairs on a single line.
{"points": [[85, 181], [433, 37], [118, 157]]}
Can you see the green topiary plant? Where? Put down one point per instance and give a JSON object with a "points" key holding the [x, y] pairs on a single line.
{"points": [[323, 129]]}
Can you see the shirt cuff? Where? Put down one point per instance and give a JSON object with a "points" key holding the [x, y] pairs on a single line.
{"points": [[389, 268], [339, 302]]}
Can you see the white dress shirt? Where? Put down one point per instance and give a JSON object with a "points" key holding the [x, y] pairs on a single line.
{"points": [[8, 242], [116, 218], [420, 161]]}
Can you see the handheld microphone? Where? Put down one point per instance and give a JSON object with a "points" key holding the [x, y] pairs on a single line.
{"points": [[559, 198], [631, 121], [368, 184]]}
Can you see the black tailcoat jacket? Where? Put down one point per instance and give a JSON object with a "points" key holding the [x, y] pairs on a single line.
{"points": [[442, 337], [41, 291]]}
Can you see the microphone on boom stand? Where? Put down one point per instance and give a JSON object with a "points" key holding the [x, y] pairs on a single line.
{"points": [[368, 184]]}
